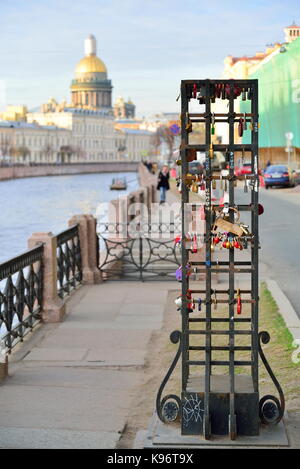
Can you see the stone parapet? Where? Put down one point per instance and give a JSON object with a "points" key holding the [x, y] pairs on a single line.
{"points": [[53, 306]]}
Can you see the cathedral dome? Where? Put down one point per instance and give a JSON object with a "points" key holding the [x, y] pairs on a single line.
{"points": [[90, 64], [91, 89]]}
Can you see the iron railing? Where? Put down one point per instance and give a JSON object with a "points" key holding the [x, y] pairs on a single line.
{"points": [[138, 251], [69, 267], [21, 295]]}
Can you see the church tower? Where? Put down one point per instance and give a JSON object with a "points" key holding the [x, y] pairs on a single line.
{"points": [[91, 89]]}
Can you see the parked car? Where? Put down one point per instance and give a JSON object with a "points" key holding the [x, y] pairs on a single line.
{"points": [[245, 168], [279, 175], [195, 167]]}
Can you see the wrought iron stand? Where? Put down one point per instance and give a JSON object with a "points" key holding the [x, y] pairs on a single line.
{"points": [[214, 403]]}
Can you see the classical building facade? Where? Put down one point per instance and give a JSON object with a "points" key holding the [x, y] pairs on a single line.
{"points": [[22, 142], [123, 109], [85, 128]]}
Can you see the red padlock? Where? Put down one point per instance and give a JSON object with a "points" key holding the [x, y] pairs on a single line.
{"points": [[195, 91], [195, 247], [239, 302]]}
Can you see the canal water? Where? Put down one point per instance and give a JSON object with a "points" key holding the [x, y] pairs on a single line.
{"points": [[47, 203]]}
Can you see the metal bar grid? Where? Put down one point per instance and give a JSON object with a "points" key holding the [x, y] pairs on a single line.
{"points": [[231, 266]]}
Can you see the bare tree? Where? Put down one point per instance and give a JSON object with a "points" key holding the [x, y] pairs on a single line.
{"points": [[5, 146], [66, 152], [20, 152], [47, 151], [168, 137], [155, 142]]}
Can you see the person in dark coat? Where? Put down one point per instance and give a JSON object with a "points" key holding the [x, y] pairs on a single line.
{"points": [[163, 183]]}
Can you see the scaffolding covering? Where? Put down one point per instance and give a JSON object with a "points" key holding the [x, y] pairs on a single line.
{"points": [[279, 98]]}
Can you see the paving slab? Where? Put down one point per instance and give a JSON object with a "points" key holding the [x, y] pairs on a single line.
{"points": [[99, 339], [144, 310], [64, 407], [74, 386], [134, 357], [56, 354], [70, 377], [37, 438], [93, 310]]}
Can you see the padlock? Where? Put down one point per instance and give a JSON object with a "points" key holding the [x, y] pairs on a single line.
{"points": [[239, 302], [240, 127], [243, 155], [245, 122], [195, 247], [177, 240], [246, 185], [188, 125], [223, 92], [178, 302], [243, 94], [221, 181], [213, 124], [215, 301], [218, 88], [194, 91], [211, 150], [194, 187], [216, 240], [199, 304], [225, 184], [213, 184]]}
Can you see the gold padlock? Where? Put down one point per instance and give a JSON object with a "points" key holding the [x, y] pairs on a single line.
{"points": [[194, 187]]}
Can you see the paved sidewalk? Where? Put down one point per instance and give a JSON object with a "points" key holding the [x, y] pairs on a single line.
{"points": [[73, 387]]}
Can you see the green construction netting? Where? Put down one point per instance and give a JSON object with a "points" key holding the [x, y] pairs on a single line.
{"points": [[279, 98]]}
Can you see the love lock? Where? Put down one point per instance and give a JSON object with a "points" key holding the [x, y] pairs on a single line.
{"points": [[241, 127], [178, 273]]}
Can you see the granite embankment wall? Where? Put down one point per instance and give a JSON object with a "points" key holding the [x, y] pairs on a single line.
{"points": [[14, 172]]}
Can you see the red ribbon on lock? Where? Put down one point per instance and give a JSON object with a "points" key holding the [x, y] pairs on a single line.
{"points": [[239, 302], [195, 247], [195, 91]]}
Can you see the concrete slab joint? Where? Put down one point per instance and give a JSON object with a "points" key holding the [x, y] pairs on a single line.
{"points": [[53, 306]]}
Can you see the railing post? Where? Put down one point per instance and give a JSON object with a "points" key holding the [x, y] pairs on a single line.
{"points": [[88, 244], [3, 365], [53, 307]]}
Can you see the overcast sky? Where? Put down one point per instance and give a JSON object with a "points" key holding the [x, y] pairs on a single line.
{"points": [[148, 46]]}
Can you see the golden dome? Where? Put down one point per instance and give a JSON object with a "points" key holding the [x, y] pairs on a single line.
{"points": [[91, 64]]}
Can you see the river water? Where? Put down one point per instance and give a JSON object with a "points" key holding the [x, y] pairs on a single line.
{"points": [[47, 203]]}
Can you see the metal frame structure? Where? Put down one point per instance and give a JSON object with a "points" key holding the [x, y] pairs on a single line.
{"points": [[220, 404]]}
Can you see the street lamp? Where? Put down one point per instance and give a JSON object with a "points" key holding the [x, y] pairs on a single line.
{"points": [[289, 137]]}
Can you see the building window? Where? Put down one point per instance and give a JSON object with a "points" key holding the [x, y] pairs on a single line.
{"points": [[86, 99]]}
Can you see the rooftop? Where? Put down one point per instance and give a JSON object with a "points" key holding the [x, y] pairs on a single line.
{"points": [[27, 125]]}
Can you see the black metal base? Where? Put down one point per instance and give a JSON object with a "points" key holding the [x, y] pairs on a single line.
{"points": [[246, 406]]}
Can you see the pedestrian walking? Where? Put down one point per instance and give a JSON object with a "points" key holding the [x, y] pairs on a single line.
{"points": [[163, 183]]}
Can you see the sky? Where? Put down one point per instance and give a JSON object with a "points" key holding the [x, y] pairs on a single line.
{"points": [[148, 46]]}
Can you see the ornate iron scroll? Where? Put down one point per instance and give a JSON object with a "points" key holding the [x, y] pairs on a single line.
{"points": [[270, 409], [168, 409]]}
